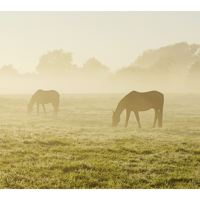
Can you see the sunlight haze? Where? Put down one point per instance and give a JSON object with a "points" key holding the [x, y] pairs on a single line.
{"points": [[114, 38], [99, 100]]}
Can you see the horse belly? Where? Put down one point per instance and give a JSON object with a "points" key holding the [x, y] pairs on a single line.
{"points": [[141, 105], [142, 108], [44, 101]]}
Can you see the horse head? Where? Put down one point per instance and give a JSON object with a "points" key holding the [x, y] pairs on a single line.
{"points": [[29, 109], [115, 119]]}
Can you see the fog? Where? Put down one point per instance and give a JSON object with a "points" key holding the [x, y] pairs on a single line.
{"points": [[173, 68], [99, 52]]}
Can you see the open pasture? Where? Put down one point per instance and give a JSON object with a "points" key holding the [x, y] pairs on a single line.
{"points": [[80, 149]]}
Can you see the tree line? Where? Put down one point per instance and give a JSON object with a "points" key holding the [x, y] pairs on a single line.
{"points": [[174, 67]]}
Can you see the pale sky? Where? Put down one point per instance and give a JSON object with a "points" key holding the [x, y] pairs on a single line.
{"points": [[116, 39]]}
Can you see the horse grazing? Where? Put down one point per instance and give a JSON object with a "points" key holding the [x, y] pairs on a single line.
{"points": [[43, 97], [136, 101]]}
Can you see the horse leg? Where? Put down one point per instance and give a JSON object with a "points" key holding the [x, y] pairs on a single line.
{"points": [[127, 116], [38, 109], [160, 118], [155, 118], [55, 110], [137, 117], [44, 109], [57, 107]]}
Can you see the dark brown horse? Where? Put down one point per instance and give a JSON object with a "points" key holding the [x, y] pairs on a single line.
{"points": [[136, 101], [43, 97]]}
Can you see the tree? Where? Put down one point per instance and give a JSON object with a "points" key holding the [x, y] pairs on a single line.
{"points": [[8, 70], [93, 75], [160, 70], [193, 78], [93, 66], [55, 62]]}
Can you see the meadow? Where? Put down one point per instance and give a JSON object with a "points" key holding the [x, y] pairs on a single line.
{"points": [[80, 149]]}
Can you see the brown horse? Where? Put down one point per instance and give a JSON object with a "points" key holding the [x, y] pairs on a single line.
{"points": [[43, 97], [136, 101]]}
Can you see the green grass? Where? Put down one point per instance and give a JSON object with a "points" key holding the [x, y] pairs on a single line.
{"points": [[79, 149]]}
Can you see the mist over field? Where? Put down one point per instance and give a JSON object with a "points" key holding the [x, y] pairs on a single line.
{"points": [[170, 69], [80, 149]]}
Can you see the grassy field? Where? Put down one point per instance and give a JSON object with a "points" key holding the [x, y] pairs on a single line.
{"points": [[79, 149]]}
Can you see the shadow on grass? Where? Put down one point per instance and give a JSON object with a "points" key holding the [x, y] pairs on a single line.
{"points": [[135, 171], [171, 182], [72, 168], [182, 150], [77, 167], [52, 143], [186, 151], [147, 152], [130, 150], [196, 152], [175, 180]]}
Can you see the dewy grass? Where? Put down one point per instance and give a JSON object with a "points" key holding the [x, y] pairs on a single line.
{"points": [[79, 149]]}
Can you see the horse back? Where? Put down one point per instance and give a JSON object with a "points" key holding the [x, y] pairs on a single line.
{"points": [[142, 101], [49, 96]]}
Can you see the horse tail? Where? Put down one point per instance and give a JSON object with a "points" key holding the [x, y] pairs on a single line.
{"points": [[58, 104], [160, 118]]}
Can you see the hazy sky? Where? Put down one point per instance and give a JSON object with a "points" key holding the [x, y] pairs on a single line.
{"points": [[114, 38]]}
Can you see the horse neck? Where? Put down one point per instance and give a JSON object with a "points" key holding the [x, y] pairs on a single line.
{"points": [[32, 101], [120, 107]]}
